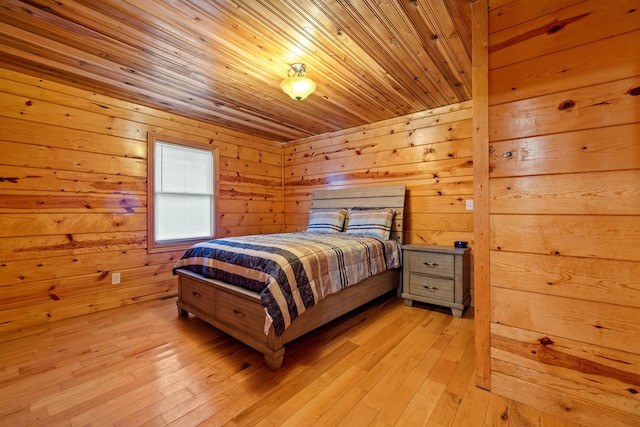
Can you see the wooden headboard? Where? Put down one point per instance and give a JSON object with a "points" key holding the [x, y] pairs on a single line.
{"points": [[367, 197]]}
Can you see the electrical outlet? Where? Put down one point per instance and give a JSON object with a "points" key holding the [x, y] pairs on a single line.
{"points": [[115, 278], [469, 204]]}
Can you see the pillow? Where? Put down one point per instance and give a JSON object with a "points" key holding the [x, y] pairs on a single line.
{"points": [[326, 221], [370, 222]]}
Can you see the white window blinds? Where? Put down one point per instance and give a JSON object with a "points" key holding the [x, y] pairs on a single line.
{"points": [[183, 190]]}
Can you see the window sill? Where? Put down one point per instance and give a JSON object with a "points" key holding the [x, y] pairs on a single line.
{"points": [[172, 247]]}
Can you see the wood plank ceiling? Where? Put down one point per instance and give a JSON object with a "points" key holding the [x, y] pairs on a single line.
{"points": [[222, 61]]}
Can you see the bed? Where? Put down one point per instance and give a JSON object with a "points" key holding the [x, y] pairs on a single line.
{"points": [[225, 291]]}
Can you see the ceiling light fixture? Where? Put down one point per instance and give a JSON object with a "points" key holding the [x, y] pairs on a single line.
{"points": [[296, 85]]}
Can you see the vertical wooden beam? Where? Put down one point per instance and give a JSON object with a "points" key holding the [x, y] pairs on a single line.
{"points": [[283, 204], [482, 303]]}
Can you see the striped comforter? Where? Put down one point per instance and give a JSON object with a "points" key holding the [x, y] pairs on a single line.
{"points": [[291, 271]]}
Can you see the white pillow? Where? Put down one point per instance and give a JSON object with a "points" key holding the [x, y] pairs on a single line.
{"points": [[326, 221], [370, 222]]}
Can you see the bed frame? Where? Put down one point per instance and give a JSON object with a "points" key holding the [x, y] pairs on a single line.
{"points": [[239, 312]]}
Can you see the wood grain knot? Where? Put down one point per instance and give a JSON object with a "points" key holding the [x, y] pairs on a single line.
{"points": [[555, 28], [635, 91], [546, 341], [565, 105]]}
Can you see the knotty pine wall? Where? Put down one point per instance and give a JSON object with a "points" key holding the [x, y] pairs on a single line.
{"points": [[430, 152], [564, 185], [73, 199]]}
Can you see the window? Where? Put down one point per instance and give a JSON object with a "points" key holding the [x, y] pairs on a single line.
{"points": [[181, 192]]}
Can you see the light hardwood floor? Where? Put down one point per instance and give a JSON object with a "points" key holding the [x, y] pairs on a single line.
{"points": [[384, 365]]}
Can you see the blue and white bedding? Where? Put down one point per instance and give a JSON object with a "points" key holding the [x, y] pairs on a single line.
{"points": [[292, 271]]}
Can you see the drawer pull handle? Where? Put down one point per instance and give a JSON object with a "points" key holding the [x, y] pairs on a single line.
{"points": [[238, 313], [430, 288], [431, 264], [196, 294]]}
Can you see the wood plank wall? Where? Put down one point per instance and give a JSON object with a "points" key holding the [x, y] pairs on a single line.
{"points": [[431, 152], [73, 190], [564, 130], [73, 199]]}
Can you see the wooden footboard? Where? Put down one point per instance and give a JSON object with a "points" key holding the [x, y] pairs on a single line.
{"points": [[240, 313]]}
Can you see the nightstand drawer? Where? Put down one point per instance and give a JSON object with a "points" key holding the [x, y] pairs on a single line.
{"points": [[431, 287], [432, 263]]}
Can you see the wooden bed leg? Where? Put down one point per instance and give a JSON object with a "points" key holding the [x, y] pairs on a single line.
{"points": [[182, 312], [274, 359]]}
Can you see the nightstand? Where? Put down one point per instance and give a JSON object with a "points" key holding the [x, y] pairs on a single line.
{"points": [[436, 275]]}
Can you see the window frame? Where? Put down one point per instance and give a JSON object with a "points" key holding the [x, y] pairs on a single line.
{"points": [[152, 245]]}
